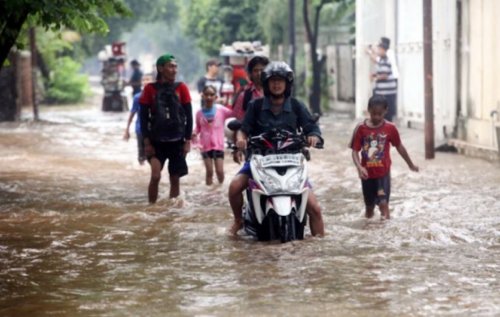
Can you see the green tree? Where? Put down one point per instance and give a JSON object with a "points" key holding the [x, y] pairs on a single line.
{"points": [[81, 15], [311, 24], [273, 20], [66, 85], [167, 11], [217, 22]]}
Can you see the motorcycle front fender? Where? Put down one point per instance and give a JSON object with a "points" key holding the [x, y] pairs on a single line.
{"points": [[282, 205]]}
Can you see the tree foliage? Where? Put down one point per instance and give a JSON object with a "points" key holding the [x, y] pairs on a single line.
{"points": [[65, 84], [311, 10], [167, 11], [217, 22], [273, 20], [81, 15]]}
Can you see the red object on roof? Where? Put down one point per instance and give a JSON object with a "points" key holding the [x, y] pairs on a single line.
{"points": [[118, 48]]}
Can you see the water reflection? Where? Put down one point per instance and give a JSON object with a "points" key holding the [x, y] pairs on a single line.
{"points": [[77, 237]]}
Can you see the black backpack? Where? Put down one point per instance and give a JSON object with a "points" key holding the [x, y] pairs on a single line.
{"points": [[168, 119]]}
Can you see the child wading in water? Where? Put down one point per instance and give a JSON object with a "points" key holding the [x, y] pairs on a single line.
{"points": [[373, 138], [210, 129]]}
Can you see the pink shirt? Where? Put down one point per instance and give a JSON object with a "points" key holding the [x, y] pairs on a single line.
{"points": [[211, 134]]}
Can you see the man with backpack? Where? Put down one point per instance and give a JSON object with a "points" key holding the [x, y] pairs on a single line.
{"points": [[166, 124]]}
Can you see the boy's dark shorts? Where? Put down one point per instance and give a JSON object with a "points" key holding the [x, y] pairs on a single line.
{"points": [[213, 154], [174, 152], [376, 190]]}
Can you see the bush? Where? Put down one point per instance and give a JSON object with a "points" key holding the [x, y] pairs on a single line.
{"points": [[66, 84]]}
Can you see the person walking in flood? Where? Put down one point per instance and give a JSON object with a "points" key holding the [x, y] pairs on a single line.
{"points": [[210, 129], [372, 138], [135, 110], [166, 125]]}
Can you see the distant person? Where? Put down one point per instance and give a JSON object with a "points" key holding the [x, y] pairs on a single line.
{"points": [[212, 77], [210, 129], [166, 124], [373, 138], [133, 111], [386, 83], [252, 90], [136, 78]]}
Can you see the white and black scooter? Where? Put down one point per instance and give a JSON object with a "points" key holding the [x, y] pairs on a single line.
{"points": [[277, 194]]}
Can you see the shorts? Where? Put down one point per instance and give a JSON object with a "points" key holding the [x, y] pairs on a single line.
{"points": [[213, 154], [376, 190], [174, 152], [245, 169]]}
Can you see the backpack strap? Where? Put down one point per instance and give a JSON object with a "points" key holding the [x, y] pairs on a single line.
{"points": [[246, 98]]}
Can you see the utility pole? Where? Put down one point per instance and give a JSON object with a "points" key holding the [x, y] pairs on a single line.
{"points": [[33, 72], [428, 76], [291, 32]]}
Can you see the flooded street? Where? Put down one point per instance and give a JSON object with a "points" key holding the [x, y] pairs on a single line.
{"points": [[77, 237]]}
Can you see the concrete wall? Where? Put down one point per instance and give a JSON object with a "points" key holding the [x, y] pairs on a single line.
{"points": [[480, 52], [402, 22], [374, 18], [466, 77]]}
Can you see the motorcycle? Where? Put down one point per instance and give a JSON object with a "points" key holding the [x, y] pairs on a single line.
{"points": [[276, 196]]}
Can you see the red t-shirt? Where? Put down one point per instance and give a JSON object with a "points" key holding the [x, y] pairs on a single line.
{"points": [[149, 94], [374, 144]]}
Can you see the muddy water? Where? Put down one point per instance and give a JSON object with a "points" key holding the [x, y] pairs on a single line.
{"points": [[77, 237]]}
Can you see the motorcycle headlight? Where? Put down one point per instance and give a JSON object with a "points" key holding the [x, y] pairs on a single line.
{"points": [[271, 184], [295, 181]]}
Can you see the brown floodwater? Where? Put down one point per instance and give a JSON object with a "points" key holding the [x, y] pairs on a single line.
{"points": [[77, 237]]}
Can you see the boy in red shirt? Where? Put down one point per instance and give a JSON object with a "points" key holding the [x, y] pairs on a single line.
{"points": [[373, 138]]}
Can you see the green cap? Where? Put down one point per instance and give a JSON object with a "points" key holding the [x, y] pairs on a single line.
{"points": [[165, 59]]}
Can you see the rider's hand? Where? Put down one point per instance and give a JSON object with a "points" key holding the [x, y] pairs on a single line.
{"points": [[126, 135], [312, 140]]}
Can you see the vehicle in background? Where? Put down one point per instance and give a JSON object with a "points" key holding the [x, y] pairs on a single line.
{"points": [[113, 60]]}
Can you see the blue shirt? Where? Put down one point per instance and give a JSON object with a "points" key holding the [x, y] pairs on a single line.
{"points": [[136, 109]]}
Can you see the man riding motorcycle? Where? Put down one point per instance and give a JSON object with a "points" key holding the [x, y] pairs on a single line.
{"points": [[277, 109]]}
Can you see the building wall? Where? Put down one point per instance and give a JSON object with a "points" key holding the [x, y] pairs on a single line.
{"points": [[374, 18], [402, 22], [480, 51], [466, 93]]}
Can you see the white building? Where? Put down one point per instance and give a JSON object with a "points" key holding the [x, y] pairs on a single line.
{"points": [[466, 40]]}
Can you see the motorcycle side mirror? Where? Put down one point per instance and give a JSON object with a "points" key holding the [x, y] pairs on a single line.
{"points": [[234, 125]]}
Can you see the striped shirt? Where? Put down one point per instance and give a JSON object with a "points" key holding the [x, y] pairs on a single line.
{"points": [[385, 86]]}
